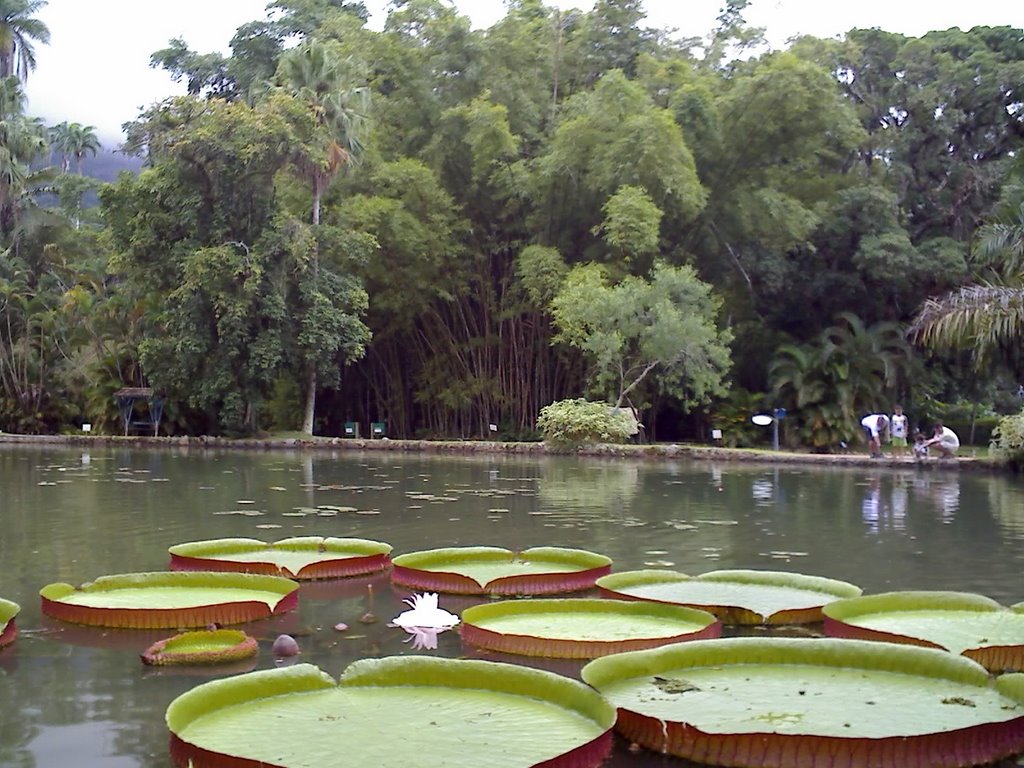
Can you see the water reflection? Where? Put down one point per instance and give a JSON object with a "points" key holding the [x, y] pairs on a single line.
{"points": [[69, 519]]}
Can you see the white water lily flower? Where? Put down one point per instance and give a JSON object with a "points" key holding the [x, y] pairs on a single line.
{"points": [[423, 638], [425, 614]]}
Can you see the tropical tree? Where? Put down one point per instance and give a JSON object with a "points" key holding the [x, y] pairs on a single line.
{"points": [[22, 140], [329, 86], [74, 140], [18, 31], [986, 317], [640, 327]]}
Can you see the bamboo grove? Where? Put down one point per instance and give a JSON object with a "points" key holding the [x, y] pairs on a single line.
{"points": [[446, 229]]}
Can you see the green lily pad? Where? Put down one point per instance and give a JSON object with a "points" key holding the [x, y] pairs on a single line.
{"points": [[581, 629], [736, 596], [219, 646], [393, 713], [168, 600], [8, 629], [303, 557], [777, 703], [959, 622], [497, 571]]}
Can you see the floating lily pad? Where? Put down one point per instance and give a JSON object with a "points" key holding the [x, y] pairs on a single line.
{"points": [[779, 703], [582, 629], [219, 646], [393, 713], [303, 557], [959, 622], [736, 597], [169, 600], [496, 571], [8, 630]]}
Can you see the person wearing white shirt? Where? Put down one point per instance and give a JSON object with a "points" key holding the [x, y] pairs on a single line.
{"points": [[875, 425], [945, 441]]}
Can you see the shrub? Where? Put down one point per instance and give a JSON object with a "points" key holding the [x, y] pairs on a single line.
{"points": [[1008, 440], [569, 424]]}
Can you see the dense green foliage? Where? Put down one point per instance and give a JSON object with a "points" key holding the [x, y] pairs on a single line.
{"points": [[446, 229], [570, 424]]}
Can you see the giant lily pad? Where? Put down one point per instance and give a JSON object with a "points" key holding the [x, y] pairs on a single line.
{"points": [[168, 600], [959, 622], [218, 646], [303, 557], [393, 713], [496, 571], [8, 630], [782, 702], [582, 629], [736, 597]]}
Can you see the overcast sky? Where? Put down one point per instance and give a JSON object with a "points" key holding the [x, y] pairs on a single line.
{"points": [[96, 68]]}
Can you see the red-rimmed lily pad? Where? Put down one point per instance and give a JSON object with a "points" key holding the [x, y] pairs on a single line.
{"points": [[735, 596], [167, 600], [301, 557], [582, 629], [216, 646], [8, 629], [782, 702], [393, 713], [959, 622], [497, 571]]}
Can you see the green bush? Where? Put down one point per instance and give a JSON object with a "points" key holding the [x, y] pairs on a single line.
{"points": [[1008, 440], [569, 424]]}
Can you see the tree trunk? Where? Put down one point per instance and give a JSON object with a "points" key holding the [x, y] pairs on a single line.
{"points": [[307, 418]]}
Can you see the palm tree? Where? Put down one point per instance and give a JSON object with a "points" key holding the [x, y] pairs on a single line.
{"points": [[987, 316], [18, 31], [327, 84], [74, 140], [319, 77], [22, 139]]}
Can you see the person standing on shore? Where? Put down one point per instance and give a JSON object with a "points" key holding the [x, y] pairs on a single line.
{"points": [[875, 425], [899, 426]]}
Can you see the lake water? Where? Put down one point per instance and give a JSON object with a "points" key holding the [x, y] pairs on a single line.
{"points": [[74, 696]]}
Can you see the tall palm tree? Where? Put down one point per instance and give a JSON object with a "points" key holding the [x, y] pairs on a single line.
{"points": [[18, 31], [326, 82], [22, 139], [986, 316], [74, 140]]}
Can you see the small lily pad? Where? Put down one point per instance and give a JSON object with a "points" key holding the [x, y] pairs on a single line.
{"points": [[8, 629], [167, 600], [735, 596], [781, 702], [497, 571], [582, 629], [393, 712], [219, 646], [302, 557], [959, 622]]}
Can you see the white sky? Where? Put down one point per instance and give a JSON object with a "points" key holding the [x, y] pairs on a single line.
{"points": [[96, 69]]}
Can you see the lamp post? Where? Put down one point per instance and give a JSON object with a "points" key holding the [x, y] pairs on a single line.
{"points": [[773, 418]]}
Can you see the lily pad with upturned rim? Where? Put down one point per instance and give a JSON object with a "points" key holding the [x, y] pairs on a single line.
{"points": [[498, 571], [582, 629], [392, 713], [168, 600], [959, 622], [218, 646], [780, 702], [300, 557], [735, 596], [8, 629]]}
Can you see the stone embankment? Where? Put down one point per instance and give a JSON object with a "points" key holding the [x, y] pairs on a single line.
{"points": [[659, 451]]}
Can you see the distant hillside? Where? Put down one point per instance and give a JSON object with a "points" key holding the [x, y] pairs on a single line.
{"points": [[108, 164]]}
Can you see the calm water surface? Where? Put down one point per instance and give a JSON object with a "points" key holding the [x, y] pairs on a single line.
{"points": [[72, 696]]}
